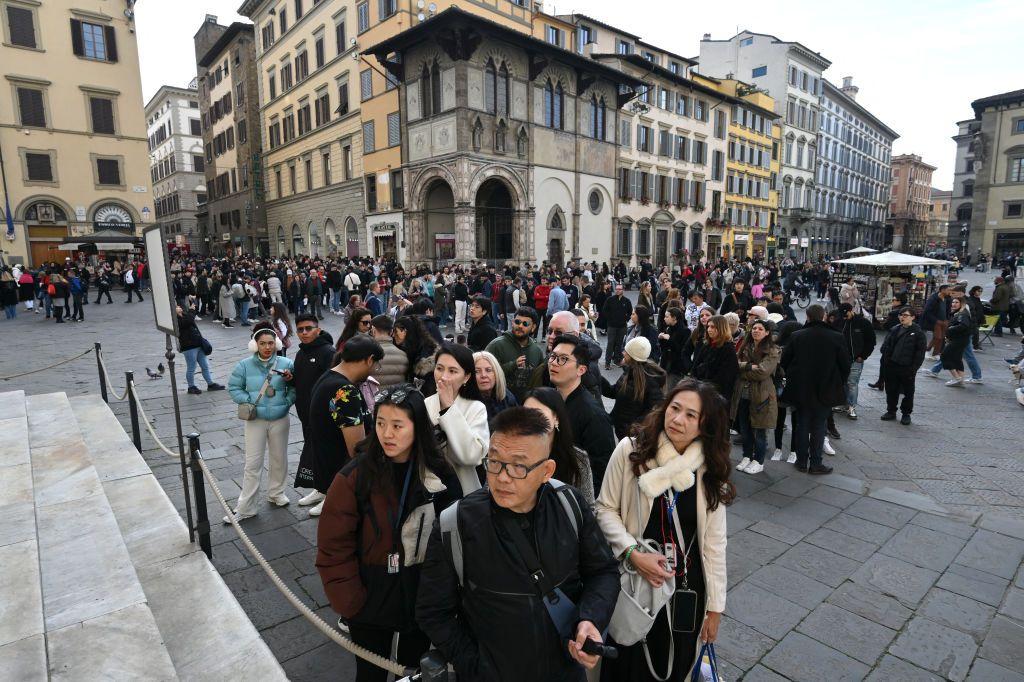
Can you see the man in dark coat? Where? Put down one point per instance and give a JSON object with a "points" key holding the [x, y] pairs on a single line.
{"points": [[902, 355], [316, 349], [817, 365], [859, 335], [481, 331], [616, 312]]}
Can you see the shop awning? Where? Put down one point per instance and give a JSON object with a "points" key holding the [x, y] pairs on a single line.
{"points": [[892, 259], [860, 251]]}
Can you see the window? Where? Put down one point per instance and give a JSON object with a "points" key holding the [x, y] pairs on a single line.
{"points": [[339, 36], [720, 124], [101, 113], [267, 33], [643, 245], [496, 88], [272, 85], [625, 239], [368, 141], [700, 110], [397, 189], [243, 133], [30, 107], [595, 201], [325, 166], [292, 181], [93, 41], [319, 49], [371, 192], [198, 165], [673, 67], [277, 181], [759, 71], [554, 105], [363, 16], [298, 9], [346, 160], [194, 127], [1013, 209], [365, 85], [21, 25], [108, 171], [625, 47], [624, 134], [968, 188], [305, 120], [746, 41], [586, 35], [597, 118], [342, 98], [301, 66], [430, 89], [1018, 127], [554, 35], [282, 17], [385, 8], [394, 129], [39, 167], [307, 167], [717, 164], [323, 108], [286, 77], [289, 125], [1016, 170]]}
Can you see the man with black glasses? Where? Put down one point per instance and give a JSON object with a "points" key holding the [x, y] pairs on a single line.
{"points": [[518, 352], [316, 348], [517, 575]]}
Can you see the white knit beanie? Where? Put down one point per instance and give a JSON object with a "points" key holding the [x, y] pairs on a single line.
{"points": [[638, 349]]}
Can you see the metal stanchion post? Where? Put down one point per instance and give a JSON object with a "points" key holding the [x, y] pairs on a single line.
{"points": [[199, 485], [181, 443], [133, 410], [99, 370]]}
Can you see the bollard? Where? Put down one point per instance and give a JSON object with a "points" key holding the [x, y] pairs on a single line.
{"points": [[199, 487], [133, 410], [99, 370]]}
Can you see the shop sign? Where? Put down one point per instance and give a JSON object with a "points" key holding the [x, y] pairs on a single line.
{"points": [[805, 242], [384, 228], [741, 238], [794, 241], [225, 237]]}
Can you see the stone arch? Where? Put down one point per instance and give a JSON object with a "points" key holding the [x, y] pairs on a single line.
{"points": [[331, 236], [499, 56], [424, 178], [315, 242], [117, 202], [427, 58], [516, 186], [22, 208], [558, 74]]}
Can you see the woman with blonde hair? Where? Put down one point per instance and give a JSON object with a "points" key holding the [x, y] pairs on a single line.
{"points": [[644, 298], [714, 358], [490, 379]]}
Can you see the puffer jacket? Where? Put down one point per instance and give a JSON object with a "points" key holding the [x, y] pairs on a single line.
{"points": [[904, 347], [394, 366], [247, 379], [758, 383]]}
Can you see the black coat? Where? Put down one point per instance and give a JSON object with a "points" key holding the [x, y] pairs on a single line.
{"points": [[189, 335], [958, 335], [860, 337], [628, 410], [616, 311], [817, 364], [311, 361], [672, 360], [592, 430], [480, 334], [716, 365], [495, 628], [903, 349]]}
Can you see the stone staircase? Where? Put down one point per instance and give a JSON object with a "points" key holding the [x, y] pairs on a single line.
{"points": [[97, 577]]}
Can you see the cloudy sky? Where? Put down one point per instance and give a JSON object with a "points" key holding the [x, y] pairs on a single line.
{"points": [[918, 64]]}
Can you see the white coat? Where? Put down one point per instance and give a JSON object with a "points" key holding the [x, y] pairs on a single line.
{"points": [[465, 426]]}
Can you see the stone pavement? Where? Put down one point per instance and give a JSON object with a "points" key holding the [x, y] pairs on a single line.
{"points": [[905, 564]]}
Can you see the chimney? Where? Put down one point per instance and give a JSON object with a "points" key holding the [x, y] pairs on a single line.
{"points": [[211, 18], [849, 89], [707, 36]]}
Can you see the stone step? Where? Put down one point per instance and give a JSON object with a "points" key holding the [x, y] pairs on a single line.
{"points": [[97, 622], [206, 632]]}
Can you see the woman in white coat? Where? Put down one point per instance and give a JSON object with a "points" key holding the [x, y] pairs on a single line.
{"points": [[676, 468], [458, 414]]}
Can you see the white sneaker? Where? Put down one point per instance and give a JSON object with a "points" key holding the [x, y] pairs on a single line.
{"points": [[851, 413], [955, 382], [315, 511], [791, 459], [973, 381], [280, 500], [744, 463], [733, 432], [827, 447], [755, 468], [312, 498], [778, 455], [238, 517]]}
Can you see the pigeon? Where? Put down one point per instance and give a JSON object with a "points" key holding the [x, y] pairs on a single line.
{"points": [[160, 368], [154, 375]]}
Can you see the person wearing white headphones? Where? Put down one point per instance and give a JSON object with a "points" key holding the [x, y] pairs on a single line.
{"points": [[264, 380]]}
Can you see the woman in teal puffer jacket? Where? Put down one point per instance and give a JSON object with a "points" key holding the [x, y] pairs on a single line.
{"points": [[270, 427]]}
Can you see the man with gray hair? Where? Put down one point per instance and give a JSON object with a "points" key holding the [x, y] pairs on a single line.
{"points": [[565, 322]]}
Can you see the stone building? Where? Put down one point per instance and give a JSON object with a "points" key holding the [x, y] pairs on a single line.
{"points": [[72, 132], [509, 143], [229, 106], [177, 166], [938, 219], [909, 199], [961, 208]]}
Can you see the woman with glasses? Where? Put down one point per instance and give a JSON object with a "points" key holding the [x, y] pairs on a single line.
{"points": [[662, 511], [572, 465], [458, 414], [374, 527], [490, 379], [358, 323]]}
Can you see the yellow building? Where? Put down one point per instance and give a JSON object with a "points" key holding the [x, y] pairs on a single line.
{"points": [[752, 166], [72, 130]]}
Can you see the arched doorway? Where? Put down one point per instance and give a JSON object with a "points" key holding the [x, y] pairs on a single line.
{"points": [[314, 240], [351, 237], [556, 236], [297, 241], [46, 224], [555, 251], [280, 240], [439, 217], [493, 221], [331, 234]]}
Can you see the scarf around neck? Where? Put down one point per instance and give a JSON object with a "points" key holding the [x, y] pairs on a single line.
{"points": [[673, 470]]}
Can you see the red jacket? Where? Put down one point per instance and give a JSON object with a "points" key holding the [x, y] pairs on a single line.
{"points": [[540, 297]]}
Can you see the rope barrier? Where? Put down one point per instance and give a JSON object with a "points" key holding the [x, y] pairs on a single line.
{"points": [[43, 369], [110, 384], [149, 427]]}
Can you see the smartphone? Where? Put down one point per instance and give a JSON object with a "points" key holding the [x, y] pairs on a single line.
{"points": [[684, 611]]}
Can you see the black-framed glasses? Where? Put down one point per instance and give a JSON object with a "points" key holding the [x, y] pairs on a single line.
{"points": [[559, 360], [515, 471]]}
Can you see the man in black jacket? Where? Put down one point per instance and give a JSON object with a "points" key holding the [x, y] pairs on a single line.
{"points": [[481, 332], [616, 312], [902, 355], [817, 365], [316, 349], [739, 301], [490, 621], [860, 343]]}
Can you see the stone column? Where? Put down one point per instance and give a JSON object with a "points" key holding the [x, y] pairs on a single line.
{"points": [[465, 233]]}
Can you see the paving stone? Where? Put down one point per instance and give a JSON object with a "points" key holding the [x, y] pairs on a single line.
{"points": [[993, 553], [869, 531], [736, 523], [907, 498], [25, 660], [846, 483], [794, 486], [777, 532], [804, 515], [936, 647], [897, 578], [885, 513], [279, 542], [1002, 645], [307, 529], [326, 663], [892, 669], [767, 613], [313, 586], [227, 558], [817, 563], [1013, 607], [759, 673], [958, 612], [970, 582], [750, 509], [840, 543], [847, 632], [986, 671], [833, 496], [791, 585], [802, 659], [756, 546], [944, 525], [745, 645], [767, 496], [998, 523], [923, 547], [871, 604], [739, 567]]}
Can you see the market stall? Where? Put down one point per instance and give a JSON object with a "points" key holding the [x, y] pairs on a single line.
{"points": [[882, 277]]}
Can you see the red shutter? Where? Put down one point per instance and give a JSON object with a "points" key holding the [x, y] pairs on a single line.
{"points": [[111, 40], [76, 38]]}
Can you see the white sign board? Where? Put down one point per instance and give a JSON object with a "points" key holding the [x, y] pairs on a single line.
{"points": [[160, 278]]}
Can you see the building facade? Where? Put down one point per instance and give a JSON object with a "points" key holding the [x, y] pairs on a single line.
{"points": [[961, 208], [509, 142], [909, 201], [938, 219], [177, 166], [997, 220], [230, 114], [72, 131], [852, 174], [792, 74]]}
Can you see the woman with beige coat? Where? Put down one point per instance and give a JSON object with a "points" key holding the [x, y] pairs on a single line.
{"points": [[662, 511], [755, 399]]}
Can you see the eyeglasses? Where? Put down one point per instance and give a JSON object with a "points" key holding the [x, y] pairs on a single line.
{"points": [[303, 330], [364, 322], [516, 471], [522, 323], [559, 360]]}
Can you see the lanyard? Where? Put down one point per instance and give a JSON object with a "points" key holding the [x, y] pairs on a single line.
{"points": [[401, 500], [670, 504]]}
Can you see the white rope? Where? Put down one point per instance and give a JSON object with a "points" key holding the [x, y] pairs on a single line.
{"points": [[149, 427], [43, 369], [110, 384]]}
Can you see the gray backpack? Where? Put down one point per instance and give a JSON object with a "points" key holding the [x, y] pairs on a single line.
{"points": [[452, 538]]}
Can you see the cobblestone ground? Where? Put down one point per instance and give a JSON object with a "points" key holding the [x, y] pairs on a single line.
{"points": [[905, 564]]}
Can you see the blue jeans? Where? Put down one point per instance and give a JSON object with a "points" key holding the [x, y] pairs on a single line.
{"points": [[245, 305], [192, 356], [853, 383], [11, 311], [499, 323], [754, 440], [969, 358], [335, 300]]}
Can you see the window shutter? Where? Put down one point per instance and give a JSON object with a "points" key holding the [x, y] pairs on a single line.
{"points": [[108, 171], [111, 40], [102, 115], [39, 167], [382, 9], [76, 38], [22, 27], [394, 129], [30, 102]]}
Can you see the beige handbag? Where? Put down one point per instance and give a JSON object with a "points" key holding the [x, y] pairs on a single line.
{"points": [[247, 411]]}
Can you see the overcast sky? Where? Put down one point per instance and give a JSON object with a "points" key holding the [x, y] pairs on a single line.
{"points": [[918, 64]]}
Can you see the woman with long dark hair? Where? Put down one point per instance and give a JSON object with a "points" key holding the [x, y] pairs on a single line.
{"points": [[374, 528], [643, 327], [668, 487], [714, 359], [639, 389], [358, 323], [458, 413], [282, 325], [754, 399], [695, 339], [572, 465], [409, 335]]}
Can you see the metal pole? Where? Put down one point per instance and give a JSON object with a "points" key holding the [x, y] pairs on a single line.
{"points": [[181, 444], [202, 519], [99, 370], [133, 410]]}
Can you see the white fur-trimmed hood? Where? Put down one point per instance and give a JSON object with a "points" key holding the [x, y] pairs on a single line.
{"points": [[674, 470]]}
